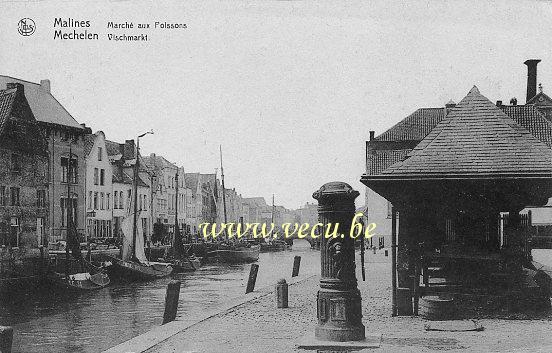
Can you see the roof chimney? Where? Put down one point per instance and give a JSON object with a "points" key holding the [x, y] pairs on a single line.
{"points": [[45, 85], [531, 78], [450, 104], [498, 103], [372, 134], [513, 101]]}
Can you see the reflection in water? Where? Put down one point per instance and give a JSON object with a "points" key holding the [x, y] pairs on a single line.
{"points": [[54, 321]]}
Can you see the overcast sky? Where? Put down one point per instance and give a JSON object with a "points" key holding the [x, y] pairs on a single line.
{"points": [[290, 89]]}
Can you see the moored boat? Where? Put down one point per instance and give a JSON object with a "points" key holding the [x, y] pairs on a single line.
{"points": [[134, 264], [238, 253], [83, 281]]}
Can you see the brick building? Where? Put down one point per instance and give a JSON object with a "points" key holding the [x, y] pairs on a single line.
{"points": [[65, 137], [23, 186]]}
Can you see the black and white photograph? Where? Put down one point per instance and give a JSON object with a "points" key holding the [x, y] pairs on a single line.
{"points": [[250, 176]]}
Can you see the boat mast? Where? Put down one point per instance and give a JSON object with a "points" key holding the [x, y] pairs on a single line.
{"points": [[67, 203], [176, 233], [223, 189], [135, 196], [272, 217]]}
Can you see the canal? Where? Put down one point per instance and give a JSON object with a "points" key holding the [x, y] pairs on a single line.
{"points": [[53, 321]]}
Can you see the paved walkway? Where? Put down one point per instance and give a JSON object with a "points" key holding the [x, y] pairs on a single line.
{"points": [[257, 326]]}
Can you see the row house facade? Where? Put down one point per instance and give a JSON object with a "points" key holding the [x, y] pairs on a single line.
{"points": [[65, 142], [122, 157], [23, 187], [99, 188], [168, 192]]}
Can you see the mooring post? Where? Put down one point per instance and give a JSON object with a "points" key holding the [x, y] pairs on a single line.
{"points": [[171, 301], [282, 294], [339, 309], [6, 339], [252, 278], [296, 265]]}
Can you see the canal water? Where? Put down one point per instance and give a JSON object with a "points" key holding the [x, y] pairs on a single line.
{"points": [[53, 321]]}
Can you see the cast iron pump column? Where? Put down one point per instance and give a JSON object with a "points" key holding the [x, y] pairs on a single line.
{"points": [[339, 309]]}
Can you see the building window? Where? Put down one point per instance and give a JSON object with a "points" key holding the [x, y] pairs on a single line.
{"points": [[40, 231], [95, 200], [13, 240], [99, 153], [121, 196], [95, 176], [129, 193], [115, 200], [69, 170], [41, 198], [102, 176], [140, 202], [101, 200], [14, 199], [145, 202], [15, 163], [108, 201], [90, 204], [3, 196], [68, 211]]}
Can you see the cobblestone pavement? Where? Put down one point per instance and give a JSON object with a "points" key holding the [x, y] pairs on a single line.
{"points": [[258, 326]]}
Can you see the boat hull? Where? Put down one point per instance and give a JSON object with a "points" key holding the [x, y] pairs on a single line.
{"points": [[129, 270], [239, 255], [80, 282], [186, 265]]}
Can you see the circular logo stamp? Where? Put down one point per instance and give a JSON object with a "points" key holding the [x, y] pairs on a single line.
{"points": [[26, 26]]}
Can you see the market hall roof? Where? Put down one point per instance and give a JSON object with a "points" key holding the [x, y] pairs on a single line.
{"points": [[476, 138], [44, 105]]}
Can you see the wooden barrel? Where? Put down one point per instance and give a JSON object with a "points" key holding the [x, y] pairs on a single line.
{"points": [[404, 302], [436, 307]]}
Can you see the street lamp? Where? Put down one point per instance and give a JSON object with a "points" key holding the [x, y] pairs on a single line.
{"points": [[135, 181]]}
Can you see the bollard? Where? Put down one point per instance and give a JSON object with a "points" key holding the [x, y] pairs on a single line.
{"points": [[6, 339], [252, 278], [282, 294], [296, 265], [171, 301]]}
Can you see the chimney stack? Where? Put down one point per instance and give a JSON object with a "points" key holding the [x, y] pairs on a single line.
{"points": [[498, 103], [45, 85], [513, 101], [531, 78], [372, 134]]}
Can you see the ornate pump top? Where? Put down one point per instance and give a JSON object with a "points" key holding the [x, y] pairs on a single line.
{"points": [[335, 191]]}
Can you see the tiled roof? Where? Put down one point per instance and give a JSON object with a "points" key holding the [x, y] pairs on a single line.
{"points": [[476, 137], [44, 105], [191, 180], [531, 118], [113, 148], [6, 103], [89, 140], [415, 126], [255, 201]]}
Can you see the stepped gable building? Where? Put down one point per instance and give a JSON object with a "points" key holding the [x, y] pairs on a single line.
{"points": [[23, 187], [65, 137]]}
